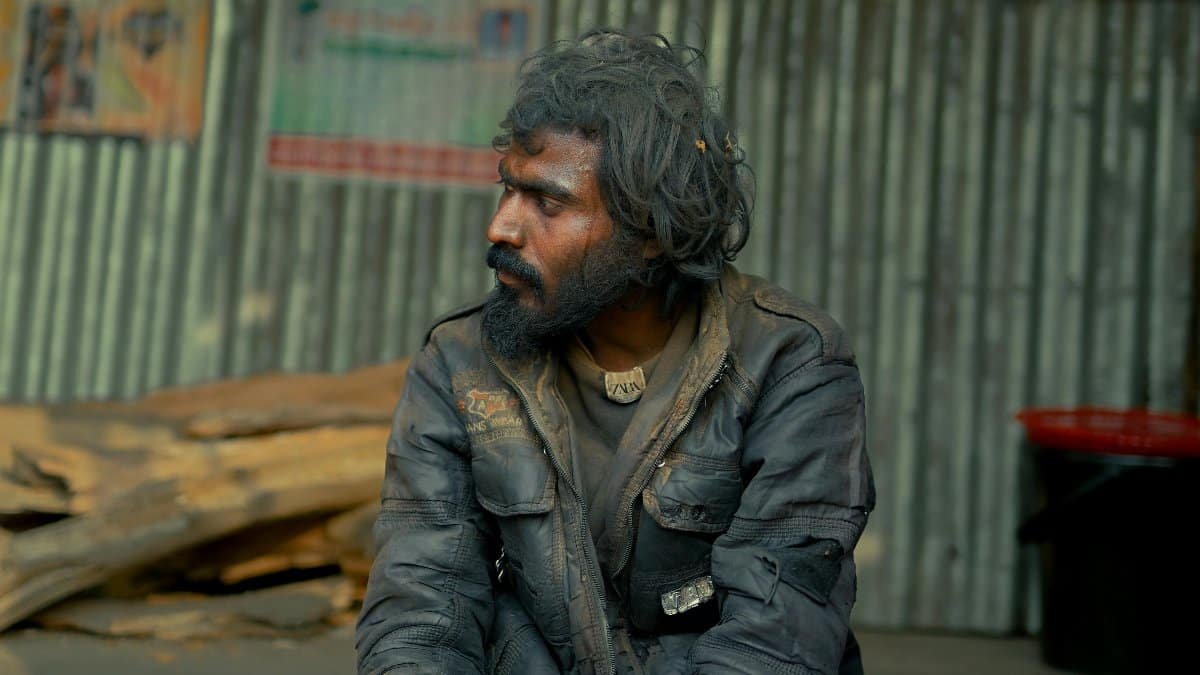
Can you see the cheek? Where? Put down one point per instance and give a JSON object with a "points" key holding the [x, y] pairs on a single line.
{"points": [[558, 260]]}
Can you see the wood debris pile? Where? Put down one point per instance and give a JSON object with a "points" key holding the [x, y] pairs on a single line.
{"points": [[242, 507]]}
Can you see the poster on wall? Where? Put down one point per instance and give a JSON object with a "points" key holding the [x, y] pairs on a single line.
{"points": [[8, 54], [119, 67], [396, 90]]}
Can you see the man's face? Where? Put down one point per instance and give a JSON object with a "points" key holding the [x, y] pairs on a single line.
{"points": [[558, 258]]}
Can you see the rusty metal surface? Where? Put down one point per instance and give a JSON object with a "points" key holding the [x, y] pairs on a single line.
{"points": [[997, 199]]}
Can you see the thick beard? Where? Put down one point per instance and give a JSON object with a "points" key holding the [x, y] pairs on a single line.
{"points": [[603, 278]]}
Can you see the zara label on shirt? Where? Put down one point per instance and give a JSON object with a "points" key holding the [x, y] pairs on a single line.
{"points": [[625, 387]]}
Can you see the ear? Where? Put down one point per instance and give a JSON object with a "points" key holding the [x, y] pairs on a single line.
{"points": [[651, 249]]}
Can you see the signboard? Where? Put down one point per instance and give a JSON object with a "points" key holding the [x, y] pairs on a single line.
{"points": [[395, 90], [121, 67]]}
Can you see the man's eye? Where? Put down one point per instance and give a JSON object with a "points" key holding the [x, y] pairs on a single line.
{"points": [[548, 207]]}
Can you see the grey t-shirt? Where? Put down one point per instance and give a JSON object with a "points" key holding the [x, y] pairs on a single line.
{"points": [[598, 424]]}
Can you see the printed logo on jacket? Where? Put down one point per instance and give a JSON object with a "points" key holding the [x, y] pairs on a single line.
{"points": [[490, 413]]}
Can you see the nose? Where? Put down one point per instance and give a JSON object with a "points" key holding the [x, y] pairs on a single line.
{"points": [[505, 227]]}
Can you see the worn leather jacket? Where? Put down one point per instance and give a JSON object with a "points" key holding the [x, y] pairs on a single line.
{"points": [[753, 486]]}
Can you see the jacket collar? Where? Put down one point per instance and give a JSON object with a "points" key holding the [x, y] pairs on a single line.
{"points": [[534, 380], [534, 374]]}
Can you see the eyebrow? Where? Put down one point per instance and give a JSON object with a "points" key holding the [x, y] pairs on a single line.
{"points": [[538, 185]]}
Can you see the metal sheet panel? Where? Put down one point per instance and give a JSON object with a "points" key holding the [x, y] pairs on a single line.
{"points": [[995, 198]]}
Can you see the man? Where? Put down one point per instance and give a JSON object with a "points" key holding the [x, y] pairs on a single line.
{"points": [[631, 457]]}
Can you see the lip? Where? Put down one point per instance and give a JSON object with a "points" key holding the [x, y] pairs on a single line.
{"points": [[508, 279]]}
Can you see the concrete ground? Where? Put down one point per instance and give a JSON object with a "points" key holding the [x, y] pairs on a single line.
{"points": [[37, 652]]}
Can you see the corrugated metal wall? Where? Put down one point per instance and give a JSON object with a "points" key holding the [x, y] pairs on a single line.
{"points": [[995, 198]]}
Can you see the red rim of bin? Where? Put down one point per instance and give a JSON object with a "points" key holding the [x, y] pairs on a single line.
{"points": [[1113, 432]]}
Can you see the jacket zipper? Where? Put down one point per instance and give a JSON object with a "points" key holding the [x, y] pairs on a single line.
{"points": [[742, 385], [593, 566], [627, 549]]}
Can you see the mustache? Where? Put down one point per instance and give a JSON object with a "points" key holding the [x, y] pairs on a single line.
{"points": [[504, 259]]}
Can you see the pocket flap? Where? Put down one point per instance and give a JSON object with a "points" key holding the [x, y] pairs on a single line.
{"points": [[693, 494], [513, 478]]}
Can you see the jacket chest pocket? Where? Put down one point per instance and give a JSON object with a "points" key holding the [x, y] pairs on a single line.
{"points": [[689, 501], [512, 478], [515, 483], [695, 494]]}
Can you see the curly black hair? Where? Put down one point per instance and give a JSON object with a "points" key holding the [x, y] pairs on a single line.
{"points": [[670, 166]]}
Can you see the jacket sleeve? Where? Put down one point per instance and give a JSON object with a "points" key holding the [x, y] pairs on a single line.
{"points": [[784, 571], [429, 600]]}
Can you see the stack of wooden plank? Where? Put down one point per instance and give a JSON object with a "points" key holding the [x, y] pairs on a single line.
{"points": [[162, 510]]}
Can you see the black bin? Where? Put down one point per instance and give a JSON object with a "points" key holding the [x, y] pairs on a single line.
{"points": [[1119, 531]]}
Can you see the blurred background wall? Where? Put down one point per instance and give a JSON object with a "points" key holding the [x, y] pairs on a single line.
{"points": [[997, 199]]}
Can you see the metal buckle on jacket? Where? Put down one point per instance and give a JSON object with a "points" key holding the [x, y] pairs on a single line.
{"points": [[688, 596]]}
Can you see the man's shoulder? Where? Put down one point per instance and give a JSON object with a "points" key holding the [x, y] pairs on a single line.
{"points": [[456, 331], [762, 313]]}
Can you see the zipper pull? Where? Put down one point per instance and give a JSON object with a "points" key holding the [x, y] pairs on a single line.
{"points": [[720, 374], [715, 381]]}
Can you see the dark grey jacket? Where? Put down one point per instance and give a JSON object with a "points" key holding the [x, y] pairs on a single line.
{"points": [[756, 476]]}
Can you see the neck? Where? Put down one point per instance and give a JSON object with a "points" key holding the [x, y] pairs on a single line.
{"points": [[631, 331]]}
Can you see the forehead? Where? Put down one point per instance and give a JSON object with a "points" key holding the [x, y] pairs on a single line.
{"points": [[565, 157]]}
